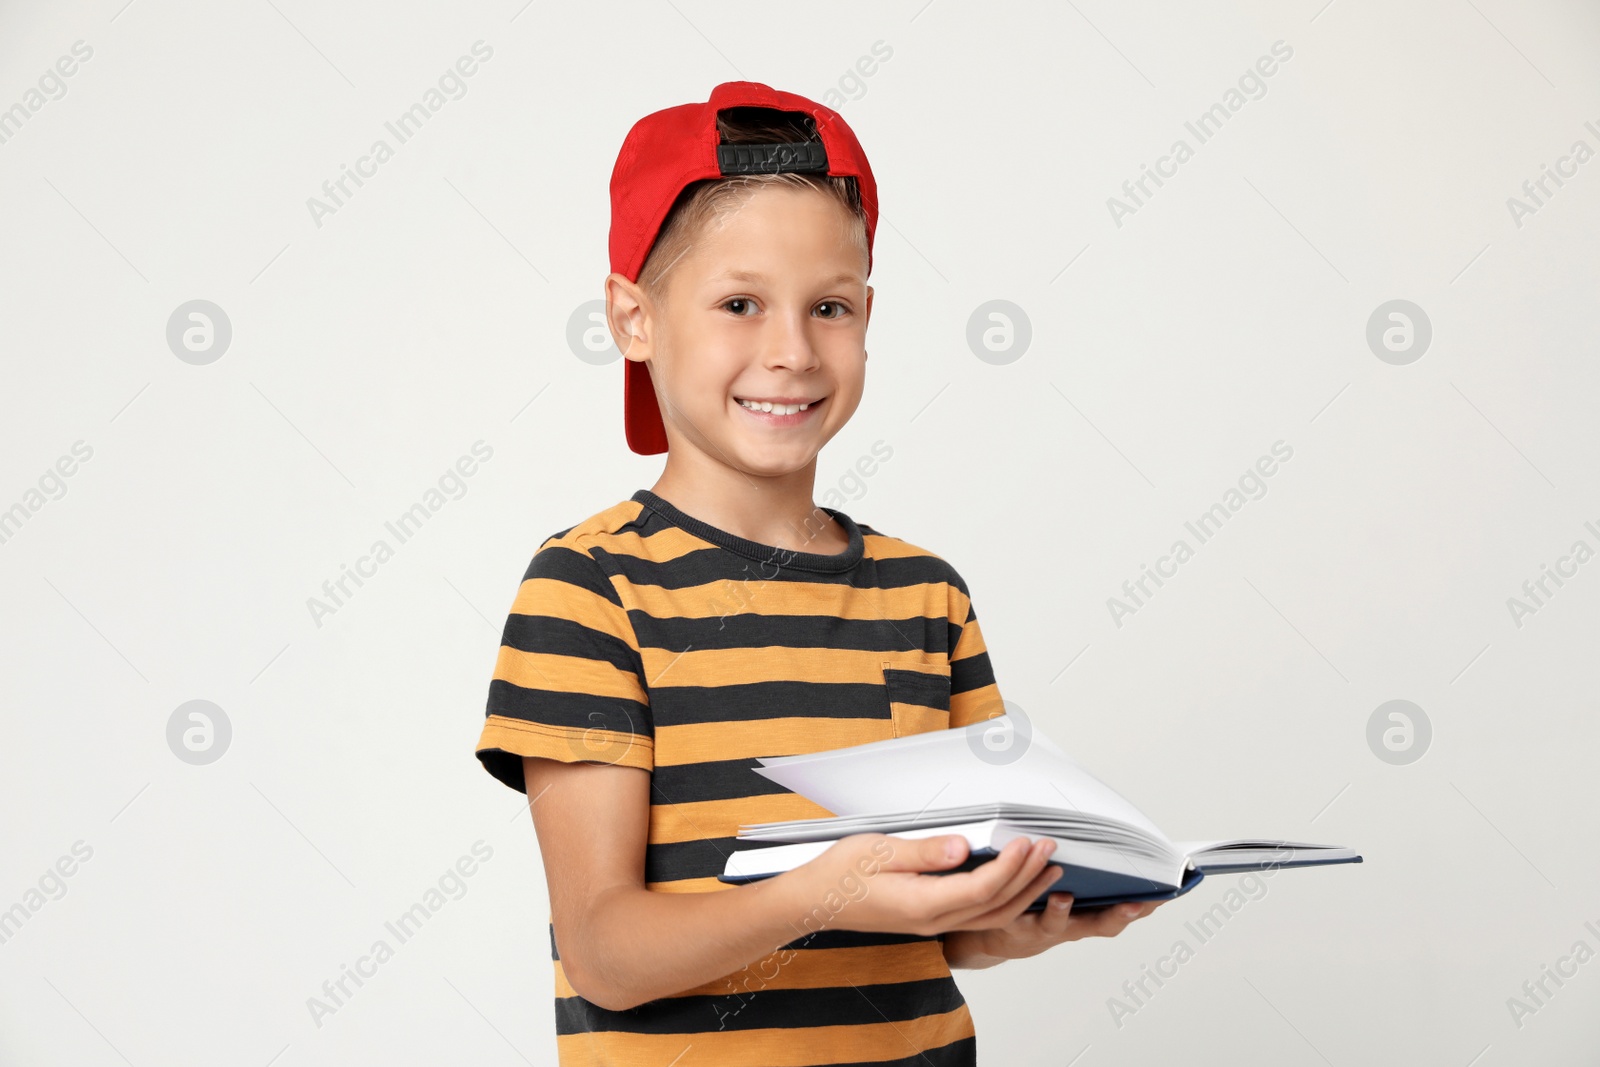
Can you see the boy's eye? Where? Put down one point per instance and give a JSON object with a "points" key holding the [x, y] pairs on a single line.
{"points": [[738, 305], [837, 309]]}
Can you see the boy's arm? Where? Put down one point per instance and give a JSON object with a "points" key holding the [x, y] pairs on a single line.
{"points": [[620, 944]]}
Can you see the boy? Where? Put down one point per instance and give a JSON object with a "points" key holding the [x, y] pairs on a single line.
{"points": [[655, 650]]}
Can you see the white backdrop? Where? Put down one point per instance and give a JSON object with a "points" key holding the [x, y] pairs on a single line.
{"points": [[163, 909]]}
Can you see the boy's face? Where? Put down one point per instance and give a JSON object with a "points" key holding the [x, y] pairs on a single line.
{"points": [[770, 303]]}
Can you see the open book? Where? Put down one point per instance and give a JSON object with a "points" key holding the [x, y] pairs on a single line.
{"points": [[991, 782]]}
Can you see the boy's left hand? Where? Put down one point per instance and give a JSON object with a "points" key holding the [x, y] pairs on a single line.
{"points": [[993, 937], [1034, 931]]}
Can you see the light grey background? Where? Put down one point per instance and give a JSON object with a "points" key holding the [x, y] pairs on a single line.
{"points": [[431, 311]]}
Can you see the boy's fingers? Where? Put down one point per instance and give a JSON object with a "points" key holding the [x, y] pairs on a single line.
{"points": [[1113, 920], [1015, 906], [1037, 875], [1131, 912], [952, 898], [1039, 867], [1040, 888], [1002, 878], [993, 894], [1057, 914], [1102, 922], [925, 853], [1001, 905]]}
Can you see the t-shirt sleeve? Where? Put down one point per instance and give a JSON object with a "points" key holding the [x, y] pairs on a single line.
{"points": [[568, 683], [974, 694]]}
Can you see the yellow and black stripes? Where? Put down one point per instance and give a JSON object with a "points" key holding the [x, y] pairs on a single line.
{"points": [[643, 637]]}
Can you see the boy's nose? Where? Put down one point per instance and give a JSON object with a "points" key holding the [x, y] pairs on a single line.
{"points": [[788, 344]]}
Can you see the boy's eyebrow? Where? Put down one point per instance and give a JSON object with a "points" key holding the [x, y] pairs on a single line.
{"points": [[757, 276]]}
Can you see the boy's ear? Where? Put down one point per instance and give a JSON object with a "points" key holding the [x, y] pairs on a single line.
{"points": [[866, 320], [627, 314]]}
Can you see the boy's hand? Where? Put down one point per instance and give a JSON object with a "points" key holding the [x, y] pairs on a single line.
{"points": [[1032, 932], [875, 883]]}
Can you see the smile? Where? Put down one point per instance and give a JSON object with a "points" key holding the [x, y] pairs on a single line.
{"points": [[776, 409], [779, 414]]}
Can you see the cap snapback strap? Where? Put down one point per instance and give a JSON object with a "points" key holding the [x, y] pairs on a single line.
{"points": [[798, 157]]}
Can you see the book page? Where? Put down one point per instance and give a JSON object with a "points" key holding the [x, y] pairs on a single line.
{"points": [[987, 762]]}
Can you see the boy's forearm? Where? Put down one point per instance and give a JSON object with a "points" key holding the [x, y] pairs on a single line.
{"points": [[640, 944]]}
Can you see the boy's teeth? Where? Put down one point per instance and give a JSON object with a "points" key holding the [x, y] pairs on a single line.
{"points": [[776, 409]]}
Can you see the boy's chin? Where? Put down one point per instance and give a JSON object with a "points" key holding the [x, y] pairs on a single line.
{"points": [[769, 460]]}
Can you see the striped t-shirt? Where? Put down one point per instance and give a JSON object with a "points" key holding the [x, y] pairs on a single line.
{"points": [[644, 637]]}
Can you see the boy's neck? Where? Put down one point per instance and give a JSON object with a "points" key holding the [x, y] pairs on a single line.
{"points": [[775, 511]]}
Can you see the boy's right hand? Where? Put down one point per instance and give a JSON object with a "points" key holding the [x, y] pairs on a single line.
{"points": [[877, 883]]}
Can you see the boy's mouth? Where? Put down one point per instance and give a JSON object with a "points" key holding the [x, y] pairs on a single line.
{"points": [[784, 405], [780, 411]]}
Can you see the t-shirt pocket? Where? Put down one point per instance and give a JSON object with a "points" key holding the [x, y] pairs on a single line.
{"points": [[919, 695]]}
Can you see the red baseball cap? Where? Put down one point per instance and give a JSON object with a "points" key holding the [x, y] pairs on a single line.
{"points": [[666, 151]]}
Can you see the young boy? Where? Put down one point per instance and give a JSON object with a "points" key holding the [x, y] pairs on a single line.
{"points": [[656, 649]]}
